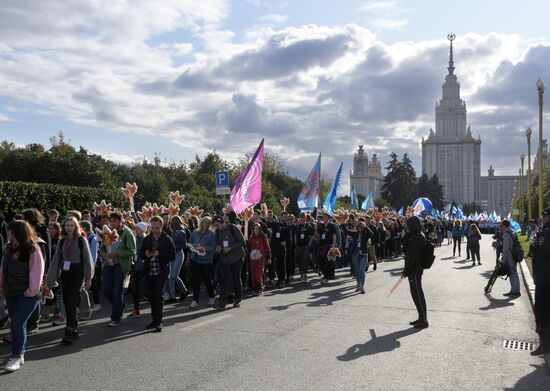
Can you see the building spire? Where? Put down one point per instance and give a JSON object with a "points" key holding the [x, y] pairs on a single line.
{"points": [[451, 37]]}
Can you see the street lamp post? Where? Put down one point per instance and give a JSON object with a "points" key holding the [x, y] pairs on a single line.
{"points": [[540, 89], [521, 187], [528, 134]]}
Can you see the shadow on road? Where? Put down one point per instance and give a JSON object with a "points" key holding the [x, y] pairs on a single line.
{"points": [[384, 343], [447, 258], [319, 299], [471, 266], [536, 380], [496, 303]]}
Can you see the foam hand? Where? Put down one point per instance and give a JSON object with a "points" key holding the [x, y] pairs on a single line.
{"points": [[176, 198]]}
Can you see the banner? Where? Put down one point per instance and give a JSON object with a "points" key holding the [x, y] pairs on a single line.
{"points": [[309, 196], [247, 189], [330, 201]]}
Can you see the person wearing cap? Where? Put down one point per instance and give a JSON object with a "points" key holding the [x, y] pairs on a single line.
{"points": [[230, 245], [137, 273], [540, 253]]}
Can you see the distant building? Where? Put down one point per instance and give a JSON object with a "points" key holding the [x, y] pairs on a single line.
{"points": [[367, 174], [450, 151], [501, 191]]}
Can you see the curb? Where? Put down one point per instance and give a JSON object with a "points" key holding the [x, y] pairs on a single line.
{"points": [[530, 287]]}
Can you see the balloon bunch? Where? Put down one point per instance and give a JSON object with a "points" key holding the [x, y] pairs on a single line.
{"points": [[102, 209], [195, 211], [333, 253], [129, 191], [176, 198]]}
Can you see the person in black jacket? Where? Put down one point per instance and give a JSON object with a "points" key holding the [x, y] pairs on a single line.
{"points": [[540, 252], [157, 251], [414, 246]]}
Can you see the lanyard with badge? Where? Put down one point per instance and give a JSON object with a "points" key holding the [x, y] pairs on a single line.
{"points": [[67, 261]]}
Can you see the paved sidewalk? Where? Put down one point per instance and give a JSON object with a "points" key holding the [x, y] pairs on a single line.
{"points": [[309, 337]]}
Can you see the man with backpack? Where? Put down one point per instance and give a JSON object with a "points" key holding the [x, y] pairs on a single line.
{"points": [[510, 257], [414, 247]]}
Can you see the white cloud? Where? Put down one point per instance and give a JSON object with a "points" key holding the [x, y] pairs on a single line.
{"points": [[274, 18], [5, 118], [306, 89], [389, 24]]}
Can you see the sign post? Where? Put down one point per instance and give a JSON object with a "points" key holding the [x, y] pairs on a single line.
{"points": [[222, 183]]}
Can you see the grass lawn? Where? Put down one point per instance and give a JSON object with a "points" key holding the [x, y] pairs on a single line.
{"points": [[525, 244]]}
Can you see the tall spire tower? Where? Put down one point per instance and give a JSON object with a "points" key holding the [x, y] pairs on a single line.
{"points": [[451, 152]]}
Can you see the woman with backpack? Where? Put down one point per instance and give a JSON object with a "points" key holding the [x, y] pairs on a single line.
{"points": [[73, 266], [474, 236], [21, 275]]}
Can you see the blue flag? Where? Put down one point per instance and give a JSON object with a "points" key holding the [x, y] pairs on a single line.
{"points": [[309, 196], [369, 202], [354, 200], [330, 201], [401, 211]]}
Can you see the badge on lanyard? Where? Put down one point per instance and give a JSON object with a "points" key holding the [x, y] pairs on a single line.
{"points": [[323, 236], [226, 243], [278, 235], [66, 266], [302, 236]]}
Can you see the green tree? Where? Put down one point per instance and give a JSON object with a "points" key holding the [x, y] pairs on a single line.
{"points": [[399, 187]]}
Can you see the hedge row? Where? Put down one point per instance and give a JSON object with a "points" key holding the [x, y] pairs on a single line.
{"points": [[16, 196]]}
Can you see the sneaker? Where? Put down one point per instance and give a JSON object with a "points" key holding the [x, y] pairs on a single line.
{"points": [[219, 305], [59, 320], [70, 336], [478, 263], [158, 328], [362, 291], [96, 307], [114, 323], [211, 301], [194, 304], [14, 363], [134, 314], [237, 304], [150, 326]]}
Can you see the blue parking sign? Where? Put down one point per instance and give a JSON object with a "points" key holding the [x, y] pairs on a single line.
{"points": [[222, 179]]}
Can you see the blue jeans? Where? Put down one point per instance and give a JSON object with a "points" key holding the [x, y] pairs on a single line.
{"points": [[20, 309], [514, 278], [359, 263], [173, 277], [113, 288]]}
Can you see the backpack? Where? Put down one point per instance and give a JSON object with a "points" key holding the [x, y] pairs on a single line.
{"points": [[517, 250], [429, 257]]}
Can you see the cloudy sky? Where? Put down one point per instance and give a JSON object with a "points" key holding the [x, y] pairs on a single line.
{"points": [[181, 77]]}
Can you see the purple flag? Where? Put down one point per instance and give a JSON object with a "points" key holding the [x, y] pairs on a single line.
{"points": [[247, 189]]}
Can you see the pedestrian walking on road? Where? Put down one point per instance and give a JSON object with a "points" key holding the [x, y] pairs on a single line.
{"points": [[157, 252], [21, 275], [414, 245], [540, 252], [202, 268]]}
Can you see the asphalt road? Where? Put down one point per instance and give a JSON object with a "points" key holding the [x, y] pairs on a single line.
{"points": [[308, 337]]}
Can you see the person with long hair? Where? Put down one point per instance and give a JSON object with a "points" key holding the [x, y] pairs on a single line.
{"points": [[474, 236], [259, 252], [204, 242], [457, 233], [177, 230], [21, 275], [73, 266]]}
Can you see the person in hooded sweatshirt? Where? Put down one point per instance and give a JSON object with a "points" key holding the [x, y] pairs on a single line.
{"points": [[414, 247]]}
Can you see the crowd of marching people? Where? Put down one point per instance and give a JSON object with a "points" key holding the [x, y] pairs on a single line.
{"points": [[58, 269]]}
